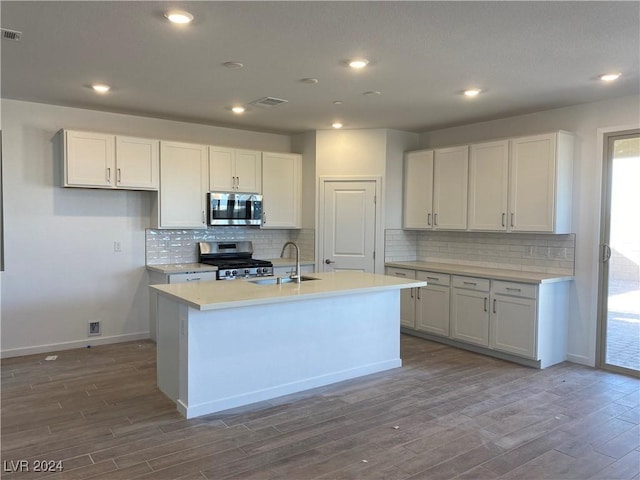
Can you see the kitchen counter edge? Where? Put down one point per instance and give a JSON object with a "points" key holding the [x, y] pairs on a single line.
{"points": [[483, 272]]}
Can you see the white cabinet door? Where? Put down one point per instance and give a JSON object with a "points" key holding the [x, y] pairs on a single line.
{"points": [[233, 170], [281, 190], [248, 171], [450, 182], [221, 169], [418, 190], [407, 297], [432, 309], [513, 325], [89, 159], [137, 163], [470, 316], [184, 177], [488, 186], [533, 176]]}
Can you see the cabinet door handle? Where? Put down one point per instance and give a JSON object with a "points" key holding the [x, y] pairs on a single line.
{"points": [[418, 292], [119, 175], [237, 183], [264, 218], [204, 218], [411, 293], [108, 175], [494, 306], [429, 219], [504, 215], [435, 219], [485, 303], [512, 218]]}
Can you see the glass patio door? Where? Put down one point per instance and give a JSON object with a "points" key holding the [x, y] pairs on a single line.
{"points": [[620, 260]]}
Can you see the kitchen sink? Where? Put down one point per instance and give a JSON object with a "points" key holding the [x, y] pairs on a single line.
{"points": [[279, 280]]}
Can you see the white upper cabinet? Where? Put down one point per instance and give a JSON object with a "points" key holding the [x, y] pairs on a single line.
{"points": [[418, 190], [97, 160], [137, 163], [450, 184], [184, 179], [234, 170], [281, 190], [540, 183], [488, 186]]}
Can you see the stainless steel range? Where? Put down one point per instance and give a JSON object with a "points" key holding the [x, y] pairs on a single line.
{"points": [[234, 260]]}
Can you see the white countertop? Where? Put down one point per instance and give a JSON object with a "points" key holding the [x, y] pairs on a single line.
{"points": [[221, 294], [474, 271], [169, 268]]}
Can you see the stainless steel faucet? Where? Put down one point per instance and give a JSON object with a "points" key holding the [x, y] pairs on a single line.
{"points": [[297, 273]]}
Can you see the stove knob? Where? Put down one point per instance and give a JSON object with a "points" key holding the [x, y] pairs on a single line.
{"points": [[234, 272], [246, 271], [265, 270], [227, 273]]}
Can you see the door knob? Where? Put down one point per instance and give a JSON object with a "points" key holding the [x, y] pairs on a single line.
{"points": [[328, 262]]}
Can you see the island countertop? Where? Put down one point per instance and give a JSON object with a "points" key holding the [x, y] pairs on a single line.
{"points": [[221, 294]]}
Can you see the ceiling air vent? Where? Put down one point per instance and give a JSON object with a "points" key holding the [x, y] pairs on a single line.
{"points": [[11, 34], [268, 102]]}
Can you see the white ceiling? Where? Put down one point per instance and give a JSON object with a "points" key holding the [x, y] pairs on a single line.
{"points": [[526, 56]]}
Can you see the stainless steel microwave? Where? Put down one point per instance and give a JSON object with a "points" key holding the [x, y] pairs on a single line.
{"points": [[234, 208]]}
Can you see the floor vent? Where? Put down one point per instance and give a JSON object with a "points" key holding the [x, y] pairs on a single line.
{"points": [[13, 35], [268, 102]]}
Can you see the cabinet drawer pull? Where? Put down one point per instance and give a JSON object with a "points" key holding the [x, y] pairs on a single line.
{"points": [[513, 215], [514, 289], [494, 306], [428, 219], [433, 278], [504, 215], [470, 283], [194, 279], [400, 274]]}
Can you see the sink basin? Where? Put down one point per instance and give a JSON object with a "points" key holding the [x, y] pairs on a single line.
{"points": [[278, 280]]}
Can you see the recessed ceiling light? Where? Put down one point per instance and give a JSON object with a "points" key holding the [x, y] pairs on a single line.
{"points": [[372, 92], [179, 16], [309, 81], [233, 65], [472, 92], [238, 109], [610, 77], [358, 63], [101, 87], [336, 125], [337, 102]]}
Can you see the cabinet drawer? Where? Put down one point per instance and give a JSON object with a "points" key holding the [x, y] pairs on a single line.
{"points": [[513, 289], [434, 278], [472, 283], [401, 272], [192, 277]]}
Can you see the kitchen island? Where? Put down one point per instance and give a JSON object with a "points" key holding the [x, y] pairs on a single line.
{"points": [[224, 344]]}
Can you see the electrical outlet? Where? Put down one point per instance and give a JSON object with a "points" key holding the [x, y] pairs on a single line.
{"points": [[94, 328], [117, 247]]}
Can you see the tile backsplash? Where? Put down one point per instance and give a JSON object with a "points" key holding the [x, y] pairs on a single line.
{"points": [[541, 253], [181, 246]]}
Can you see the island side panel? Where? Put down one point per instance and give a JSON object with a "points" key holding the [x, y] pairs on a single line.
{"points": [[248, 354], [168, 346]]}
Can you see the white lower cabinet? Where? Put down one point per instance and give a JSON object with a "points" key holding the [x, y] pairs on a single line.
{"points": [[513, 319], [526, 321], [432, 303], [407, 297], [470, 310]]}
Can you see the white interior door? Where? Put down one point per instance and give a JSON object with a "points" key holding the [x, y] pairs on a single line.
{"points": [[348, 226]]}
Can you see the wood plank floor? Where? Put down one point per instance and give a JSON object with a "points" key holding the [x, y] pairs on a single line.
{"points": [[446, 414]]}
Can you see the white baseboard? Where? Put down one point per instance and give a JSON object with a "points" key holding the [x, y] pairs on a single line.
{"points": [[56, 347], [580, 359]]}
